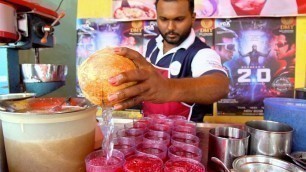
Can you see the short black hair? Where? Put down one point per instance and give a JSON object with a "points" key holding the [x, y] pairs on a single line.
{"points": [[221, 32], [191, 4]]}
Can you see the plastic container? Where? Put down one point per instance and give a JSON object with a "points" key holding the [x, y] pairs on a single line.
{"points": [[97, 162], [291, 112], [48, 142]]}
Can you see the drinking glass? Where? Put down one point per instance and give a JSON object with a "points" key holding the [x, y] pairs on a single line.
{"points": [[97, 162], [159, 150], [125, 144], [144, 162], [185, 151], [158, 137], [178, 139], [183, 164]]}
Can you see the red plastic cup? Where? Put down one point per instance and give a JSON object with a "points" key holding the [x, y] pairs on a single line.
{"points": [[146, 163], [159, 150], [137, 125], [183, 164], [160, 127], [185, 151], [146, 120], [125, 144], [154, 116], [178, 139], [158, 137], [184, 129], [137, 134], [163, 121], [176, 117], [183, 122], [96, 162]]}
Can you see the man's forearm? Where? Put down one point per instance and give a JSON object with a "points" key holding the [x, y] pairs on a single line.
{"points": [[204, 90]]}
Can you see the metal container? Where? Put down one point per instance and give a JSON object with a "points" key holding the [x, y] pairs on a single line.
{"points": [[226, 144], [262, 163], [43, 72], [269, 138]]}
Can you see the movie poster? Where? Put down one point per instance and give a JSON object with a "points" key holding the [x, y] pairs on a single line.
{"points": [[259, 56], [150, 31], [204, 30]]}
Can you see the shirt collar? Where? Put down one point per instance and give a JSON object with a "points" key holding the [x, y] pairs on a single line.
{"points": [[185, 44]]}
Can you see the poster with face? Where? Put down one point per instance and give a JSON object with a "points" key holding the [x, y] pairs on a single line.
{"points": [[204, 30], [127, 10], [150, 31], [259, 56]]}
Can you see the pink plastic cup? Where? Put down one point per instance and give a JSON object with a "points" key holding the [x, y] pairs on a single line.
{"points": [[96, 162], [125, 144], [178, 139], [176, 117], [184, 129], [163, 121], [137, 125], [158, 137], [147, 163], [159, 150], [160, 127], [183, 122], [185, 151], [154, 116], [183, 164], [137, 134]]}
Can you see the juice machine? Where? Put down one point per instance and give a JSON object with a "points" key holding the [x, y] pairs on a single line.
{"points": [[24, 25]]}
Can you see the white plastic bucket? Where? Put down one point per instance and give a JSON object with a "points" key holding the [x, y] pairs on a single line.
{"points": [[48, 142]]}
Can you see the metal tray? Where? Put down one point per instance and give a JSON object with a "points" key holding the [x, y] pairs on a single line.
{"points": [[16, 96], [263, 163]]}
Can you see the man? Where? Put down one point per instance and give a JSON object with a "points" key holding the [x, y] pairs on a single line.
{"points": [[285, 49], [225, 43], [186, 76], [254, 55]]}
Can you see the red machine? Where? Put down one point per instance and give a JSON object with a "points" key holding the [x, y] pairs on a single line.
{"points": [[25, 24]]}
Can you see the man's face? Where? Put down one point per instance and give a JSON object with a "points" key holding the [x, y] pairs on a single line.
{"points": [[226, 49], [174, 21], [281, 46]]}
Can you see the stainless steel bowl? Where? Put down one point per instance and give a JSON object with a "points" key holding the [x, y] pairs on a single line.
{"points": [[263, 163], [43, 72], [16, 96]]}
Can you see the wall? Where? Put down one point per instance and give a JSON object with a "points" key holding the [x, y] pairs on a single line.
{"points": [[63, 51]]}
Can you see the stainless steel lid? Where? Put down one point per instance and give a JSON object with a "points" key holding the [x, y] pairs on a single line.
{"points": [[263, 163]]}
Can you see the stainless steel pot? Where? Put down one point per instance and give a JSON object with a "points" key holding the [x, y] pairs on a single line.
{"points": [[269, 138], [252, 163], [226, 144]]}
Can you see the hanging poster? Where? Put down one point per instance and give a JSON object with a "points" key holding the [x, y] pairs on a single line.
{"points": [[259, 56], [145, 10], [134, 9], [204, 30]]}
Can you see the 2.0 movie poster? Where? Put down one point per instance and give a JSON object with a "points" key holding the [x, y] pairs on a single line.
{"points": [[259, 56]]}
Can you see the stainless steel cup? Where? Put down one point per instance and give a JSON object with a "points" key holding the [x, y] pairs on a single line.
{"points": [[269, 138], [226, 144]]}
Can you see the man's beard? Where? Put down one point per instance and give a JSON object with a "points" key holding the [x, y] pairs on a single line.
{"points": [[179, 38]]}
